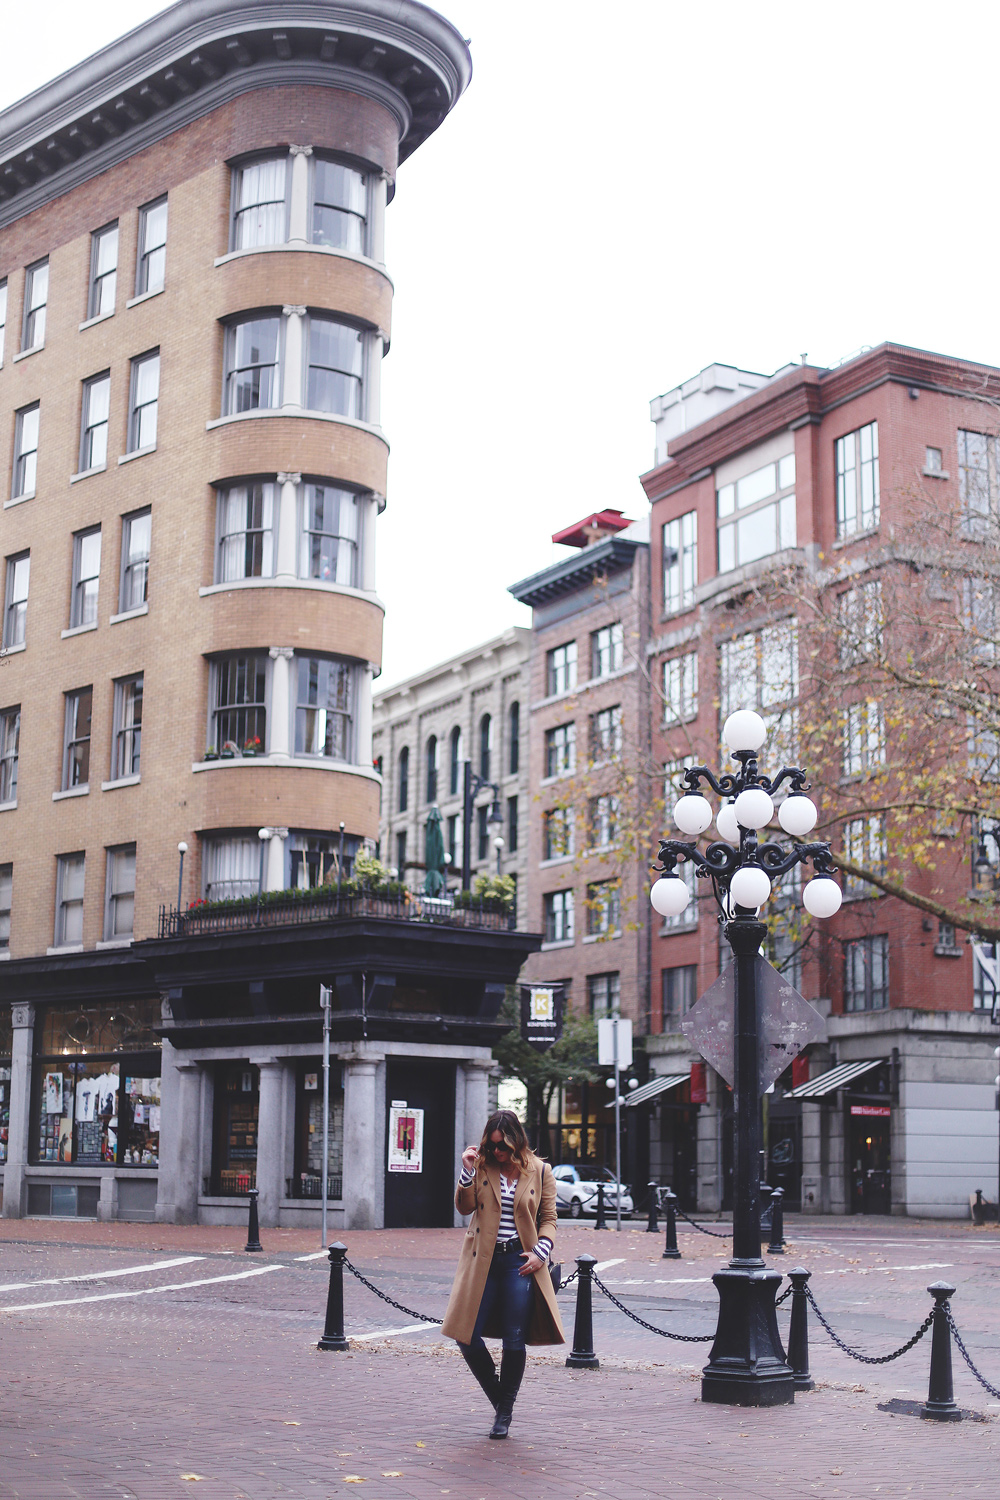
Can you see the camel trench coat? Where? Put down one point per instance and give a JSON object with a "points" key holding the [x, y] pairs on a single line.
{"points": [[536, 1189]]}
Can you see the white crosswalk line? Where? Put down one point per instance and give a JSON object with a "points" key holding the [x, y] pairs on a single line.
{"points": [[144, 1291], [604, 1265], [317, 1255], [388, 1333], [156, 1265]]}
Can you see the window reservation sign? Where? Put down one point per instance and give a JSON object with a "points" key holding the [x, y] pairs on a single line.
{"points": [[541, 1014], [406, 1138]]}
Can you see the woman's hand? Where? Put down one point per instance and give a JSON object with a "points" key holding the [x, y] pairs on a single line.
{"points": [[469, 1158], [532, 1263]]}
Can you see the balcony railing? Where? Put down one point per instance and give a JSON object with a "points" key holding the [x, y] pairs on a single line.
{"points": [[300, 909], [232, 1182], [307, 1185]]}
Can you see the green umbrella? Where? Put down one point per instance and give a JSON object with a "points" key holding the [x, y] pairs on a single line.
{"points": [[434, 855]]}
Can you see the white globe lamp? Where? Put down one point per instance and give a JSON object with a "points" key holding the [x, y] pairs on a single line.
{"points": [[669, 896], [822, 896], [727, 823], [797, 815], [750, 886], [744, 730], [692, 814], [754, 808]]}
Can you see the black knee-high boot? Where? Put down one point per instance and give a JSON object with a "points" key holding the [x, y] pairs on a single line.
{"points": [[480, 1362], [511, 1372]]}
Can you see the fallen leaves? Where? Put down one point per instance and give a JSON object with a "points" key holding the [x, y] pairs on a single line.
{"points": [[421, 1445], [355, 1479], [392, 1473], [192, 1477]]}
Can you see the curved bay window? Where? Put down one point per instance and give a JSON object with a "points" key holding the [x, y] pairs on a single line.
{"points": [[328, 548], [314, 858], [232, 867], [96, 1086], [239, 705], [336, 366], [252, 366], [246, 532], [260, 212], [339, 206], [324, 707]]}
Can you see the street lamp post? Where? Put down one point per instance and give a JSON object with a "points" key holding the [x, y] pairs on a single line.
{"points": [[747, 1364], [471, 787], [182, 849]]}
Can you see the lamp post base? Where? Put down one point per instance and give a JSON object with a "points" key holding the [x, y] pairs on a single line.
{"points": [[747, 1364]]}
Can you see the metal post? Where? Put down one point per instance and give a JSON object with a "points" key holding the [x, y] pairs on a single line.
{"points": [[325, 1000], [940, 1404], [747, 1364], [600, 1222], [182, 849], [618, 1128], [583, 1356], [466, 826], [653, 1226], [333, 1331], [798, 1331], [253, 1226], [670, 1250], [776, 1244], [340, 865]]}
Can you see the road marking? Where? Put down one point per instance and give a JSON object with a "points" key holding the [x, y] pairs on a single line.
{"points": [[145, 1291], [931, 1265], [318, 1255], [603, 1265], [156, 1265], [389, 1333]]}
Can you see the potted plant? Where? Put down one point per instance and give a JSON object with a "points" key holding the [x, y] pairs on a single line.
{"points": [[252, 746], [211, 753], [229, 750]]}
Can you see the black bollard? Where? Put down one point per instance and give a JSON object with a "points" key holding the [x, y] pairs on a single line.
{"points": [[776, 1243], [583, 1356], [333, 1331], [653, 1227], [601, 1222], [940, 1404], [670, 1250], [766, 1202], [798, 1332], [253, 1227]]}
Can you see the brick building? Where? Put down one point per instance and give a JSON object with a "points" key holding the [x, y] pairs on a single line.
{"points": [[767, 487], [195, 308]]}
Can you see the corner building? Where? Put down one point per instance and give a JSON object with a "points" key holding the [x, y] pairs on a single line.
{"points": [[195, 311]]}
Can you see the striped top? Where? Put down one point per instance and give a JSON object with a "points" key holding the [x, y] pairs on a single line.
{"points": [[508, 1229]]}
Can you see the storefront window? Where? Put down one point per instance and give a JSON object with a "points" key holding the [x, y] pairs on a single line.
{"points": [[307, 1182], [234, 1155], [96, 1087], [6, 1039]]}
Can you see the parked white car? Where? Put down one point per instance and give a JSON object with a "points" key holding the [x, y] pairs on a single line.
{"points": [[576, 1189]]}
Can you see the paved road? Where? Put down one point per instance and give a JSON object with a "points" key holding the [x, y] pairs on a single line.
{"points": [[153, 1361]]}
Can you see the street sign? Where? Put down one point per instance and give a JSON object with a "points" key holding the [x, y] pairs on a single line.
{"points": [[606, 1042], [787, 1023], [541, 1014]]}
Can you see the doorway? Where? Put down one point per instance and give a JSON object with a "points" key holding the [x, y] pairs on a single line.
{"points": [[420, 1194], [870, 1177]]}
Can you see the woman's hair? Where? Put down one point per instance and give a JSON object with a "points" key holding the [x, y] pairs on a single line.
{"points": [[510, 1127]]}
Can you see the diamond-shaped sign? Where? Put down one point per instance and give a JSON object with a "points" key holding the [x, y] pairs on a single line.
{"points": [[786, 1023]]}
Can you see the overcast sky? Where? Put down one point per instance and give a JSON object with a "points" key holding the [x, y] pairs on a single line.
{"points": [[624, 196]]}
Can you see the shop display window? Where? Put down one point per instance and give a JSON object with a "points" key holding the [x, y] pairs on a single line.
{"points": [[96, 1087], [234, 1153], [307, 1181], [4, 1106]]}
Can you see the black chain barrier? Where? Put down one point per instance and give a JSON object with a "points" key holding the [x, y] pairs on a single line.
{"points": [[422, 1317], [568, 1279], [966, 1355], [869, 1359], [701, 1228], [785, 1294], [683, 1338]]}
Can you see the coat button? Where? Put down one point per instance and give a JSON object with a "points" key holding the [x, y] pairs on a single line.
{"points": [[473, 1255], [477, 1231]]}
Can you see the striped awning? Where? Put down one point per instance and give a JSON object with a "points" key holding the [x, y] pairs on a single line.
{"points": [[654, 1087], [837, 1078]]}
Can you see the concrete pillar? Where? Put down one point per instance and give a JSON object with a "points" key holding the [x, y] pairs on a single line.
{"points": [[180, 1139], [376, 236], [279, 715], [22, 1047], [107, 1202], [373, 379], [709, 1128], [293, 363], [369, 516], [815, 1196], [362, 1157], [286, 526], [363, 720], [274, 860], [477, 1101], [298, 208], [270, 1141]]}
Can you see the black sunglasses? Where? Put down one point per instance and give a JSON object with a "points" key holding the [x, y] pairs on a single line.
{"points": [[494, 1147]]}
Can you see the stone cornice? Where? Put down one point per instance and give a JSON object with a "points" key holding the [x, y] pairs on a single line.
{"points": [[201, 53]]}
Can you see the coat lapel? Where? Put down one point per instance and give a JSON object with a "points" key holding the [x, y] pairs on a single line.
{"points": [[493, 1178]]}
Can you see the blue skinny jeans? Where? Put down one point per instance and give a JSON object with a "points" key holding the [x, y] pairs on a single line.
{"points": [[513, 1295]]}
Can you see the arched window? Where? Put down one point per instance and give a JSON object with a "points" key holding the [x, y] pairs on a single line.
{"points": [[432, 769], [514, 756], [404, 778], [456, 761], [485, 745]]}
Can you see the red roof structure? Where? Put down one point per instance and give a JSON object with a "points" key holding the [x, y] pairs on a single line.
{"points": [[584, 533]]}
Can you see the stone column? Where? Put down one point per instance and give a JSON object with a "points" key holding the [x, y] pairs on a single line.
{"points": [[363, 720], [373, 381], [270, 1141], [369, 516], [362, 1160], [286, 528], [22, 1047], [279, 714], [292, 367], [274, 860], [477, 1101], [298, 208], [180, 1139]]}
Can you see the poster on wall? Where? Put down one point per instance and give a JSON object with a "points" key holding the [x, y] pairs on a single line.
{"points": [[52, 1092], [541, 1014], [406, 1138]]}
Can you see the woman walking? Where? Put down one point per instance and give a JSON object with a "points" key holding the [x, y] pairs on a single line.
{"points": [[502, 1287]]}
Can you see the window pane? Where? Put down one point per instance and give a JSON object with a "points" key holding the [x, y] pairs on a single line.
{"points": [[260, 211], [756, 486], [252, 378], [755, 535]]}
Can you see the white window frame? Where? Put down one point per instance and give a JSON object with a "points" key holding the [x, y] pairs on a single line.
{"points": [[126, 743], [230, 389], [759, 669], [607, 650], [560, 915], [227, 546], [611, 999], [6, 901], [558, 833], [15, 615], [560, 750], [680, 688], [84, 602], [103, 277], [337, 559], [231, 866], [10, 747], [363, 220], [602, 819], [251, 709], [138, 409], [861, 619], [860, 947], [856, 478], [864, 842], [262, 236], [67, 867], [36, 278], [72, 738], [150, 273], [357, 379], [608, 747], [26, 432], [94, 420], [132, 563], [768, 488], [560, 669], [680, 562], [864, 738], [118, 895]]}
